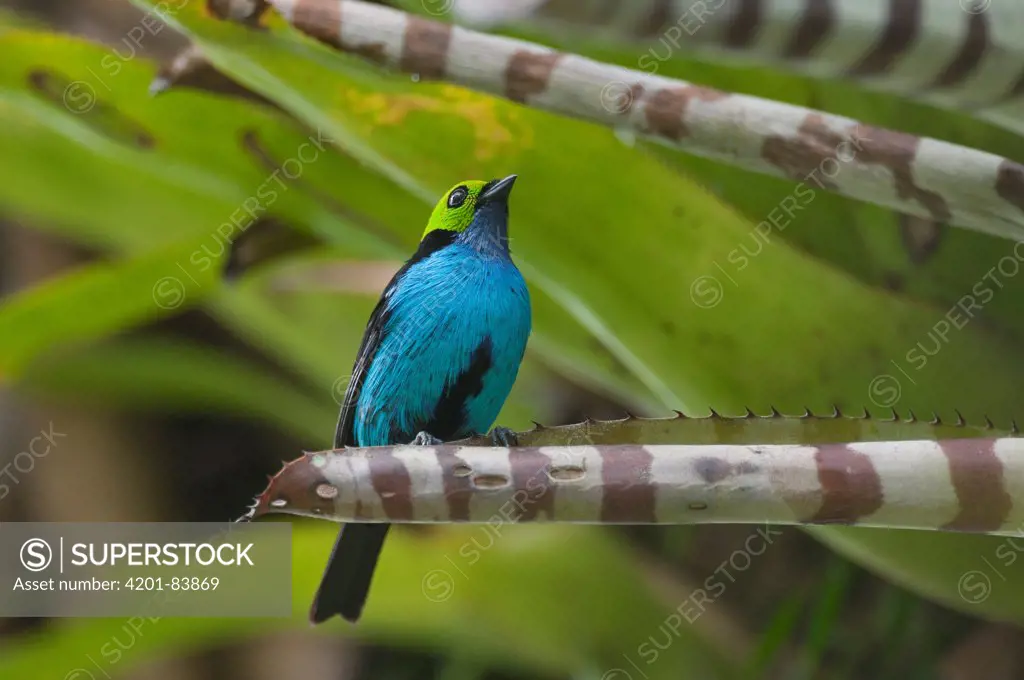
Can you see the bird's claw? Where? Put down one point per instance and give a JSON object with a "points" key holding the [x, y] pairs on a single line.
{"points": [[503, 436], [426, 439]]}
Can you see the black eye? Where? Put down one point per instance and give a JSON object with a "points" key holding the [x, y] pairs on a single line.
{"points": [[457, 197]]}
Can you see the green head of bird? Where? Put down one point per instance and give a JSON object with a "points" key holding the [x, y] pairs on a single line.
{"points": [[474, 212]]}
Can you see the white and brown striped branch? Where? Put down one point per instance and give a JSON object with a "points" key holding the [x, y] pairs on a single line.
{"points": [[970, 485], [958, 54], [918, 176]]}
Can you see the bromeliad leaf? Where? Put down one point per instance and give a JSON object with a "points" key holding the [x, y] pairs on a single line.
{"points": [[231, 163], [958, 57], [953, 484]]}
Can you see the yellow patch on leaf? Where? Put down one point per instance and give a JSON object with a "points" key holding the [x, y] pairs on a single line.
{"points": [[493, 135]]}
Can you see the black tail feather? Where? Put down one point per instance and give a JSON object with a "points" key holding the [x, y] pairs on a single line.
{"points": [[346, 580]]}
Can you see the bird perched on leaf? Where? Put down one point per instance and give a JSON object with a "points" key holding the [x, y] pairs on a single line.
{"points": [[437, 361]]}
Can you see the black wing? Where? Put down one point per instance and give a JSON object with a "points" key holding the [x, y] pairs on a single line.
{"points": [[372, 338]]}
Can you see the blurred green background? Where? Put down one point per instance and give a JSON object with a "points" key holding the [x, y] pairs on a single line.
{"points": [[178, 393]]}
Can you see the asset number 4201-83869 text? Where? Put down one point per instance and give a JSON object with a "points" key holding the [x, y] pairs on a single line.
{"points": [[174, 583]]}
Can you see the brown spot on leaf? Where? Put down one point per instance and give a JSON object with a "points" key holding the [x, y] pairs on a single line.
{"points": [[1010, 183], [850, 486], [455, 476], [803, 155], [39, 79], [896, 151], [921, 236], [318, 19], [528, 73], [393, 484], [745, 23], [425, 47], [296, 485], [893, 281], [971, 52], [654, 22], [535, 492], [901, 29], [815, 27], [665, 109], [712, 470], [800, 156], [629, 494], [977, 476]]}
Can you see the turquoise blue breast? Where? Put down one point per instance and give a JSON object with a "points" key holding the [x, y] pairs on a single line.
{"points": [[454, 335]]}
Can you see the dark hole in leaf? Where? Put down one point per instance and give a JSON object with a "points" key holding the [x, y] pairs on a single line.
{"points": [[490, 481], [80, 97]]}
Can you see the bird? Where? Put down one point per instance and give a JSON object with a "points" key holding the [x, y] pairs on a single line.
{"points": [[439, 356]]}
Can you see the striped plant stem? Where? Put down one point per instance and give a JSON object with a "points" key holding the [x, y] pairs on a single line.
{"points": [[969, 485]]}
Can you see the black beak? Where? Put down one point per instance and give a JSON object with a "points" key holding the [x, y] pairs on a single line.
{"points": [[496, 191]]}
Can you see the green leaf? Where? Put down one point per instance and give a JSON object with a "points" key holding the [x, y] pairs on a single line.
{"points": [[83, 126], [157, 374], [93, 302], [978, 575]]}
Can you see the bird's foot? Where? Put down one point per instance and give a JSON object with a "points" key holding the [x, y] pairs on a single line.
{"points": [[502, 436], [425, 439]]}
